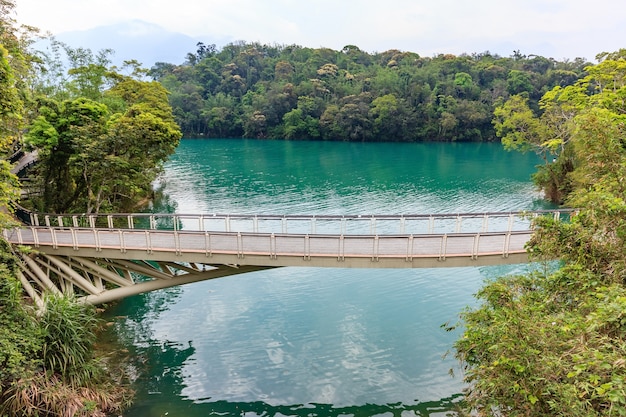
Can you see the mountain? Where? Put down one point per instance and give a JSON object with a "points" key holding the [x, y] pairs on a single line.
{"points": [[142, 41]]}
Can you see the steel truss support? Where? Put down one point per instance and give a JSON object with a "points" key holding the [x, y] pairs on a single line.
{"points": [[98, 281]]}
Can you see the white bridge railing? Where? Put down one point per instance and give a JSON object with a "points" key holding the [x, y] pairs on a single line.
{"points": [[285, 240], [241, 245], [305, 224]]}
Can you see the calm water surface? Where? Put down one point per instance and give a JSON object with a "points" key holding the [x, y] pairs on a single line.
{"points": [[314, 341]]}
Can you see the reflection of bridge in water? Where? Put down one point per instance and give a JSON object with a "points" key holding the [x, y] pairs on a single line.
{"points": [[108, 257]]}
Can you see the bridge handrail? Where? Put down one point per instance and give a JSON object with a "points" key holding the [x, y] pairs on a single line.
{"points": [[409, 246], [347, 224]]}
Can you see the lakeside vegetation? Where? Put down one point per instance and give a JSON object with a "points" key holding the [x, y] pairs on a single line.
{"points": [[549, 343], [554, 343], [101, 138], [255, 90]]}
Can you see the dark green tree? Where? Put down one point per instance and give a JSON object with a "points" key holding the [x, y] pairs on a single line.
{"points": [[101, 153], [554, 342]]}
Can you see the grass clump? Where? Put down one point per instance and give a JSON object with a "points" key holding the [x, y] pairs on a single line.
{"points": [[49, 365]]}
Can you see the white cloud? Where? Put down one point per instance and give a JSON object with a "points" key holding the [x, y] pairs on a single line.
{"points": [[563, 28]]}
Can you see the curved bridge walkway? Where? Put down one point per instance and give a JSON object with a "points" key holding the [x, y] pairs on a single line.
{"points": [[102, 258]]}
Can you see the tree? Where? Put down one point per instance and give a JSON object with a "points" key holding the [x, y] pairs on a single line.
{"points": [[547, 136], [391, 118], [15, 70], [353, 119], [256, 75], [519, 82], [102, 154], [553, 342], [57, 134], [10, 121], [299, 125]]}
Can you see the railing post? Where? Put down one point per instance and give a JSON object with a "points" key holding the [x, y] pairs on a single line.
{"points": [[307, 248], [74, 239], [131, 223], [507, 245], [35, 236], [409, 248], [485, 227], [148, 242], [207, 244], [443, 248], [342, 249], [122, 242], [20, 238], [110, 221], [96, 240], [53, 233], [375, 249], [177, 242], [273, 254], [476, 246], [457, 226]]}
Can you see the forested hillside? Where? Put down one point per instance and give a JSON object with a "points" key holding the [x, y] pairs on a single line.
{"points": [[292, 92]]}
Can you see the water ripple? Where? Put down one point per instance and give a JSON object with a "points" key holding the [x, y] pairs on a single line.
{"points": [[308, 341]]}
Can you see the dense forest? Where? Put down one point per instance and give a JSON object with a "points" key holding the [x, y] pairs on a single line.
{"points": [[553, 342], [254, 90]]}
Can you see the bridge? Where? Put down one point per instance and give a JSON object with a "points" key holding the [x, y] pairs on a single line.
{"points": [[101, 258]]}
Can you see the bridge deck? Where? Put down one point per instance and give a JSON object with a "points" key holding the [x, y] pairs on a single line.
{"points": [[269, 249], [397, 241], [99, 256]]}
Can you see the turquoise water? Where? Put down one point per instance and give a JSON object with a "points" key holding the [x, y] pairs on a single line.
{"points": [[315, 341]]}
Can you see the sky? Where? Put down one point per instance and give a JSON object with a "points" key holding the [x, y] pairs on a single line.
{"points": [[559, 29]]}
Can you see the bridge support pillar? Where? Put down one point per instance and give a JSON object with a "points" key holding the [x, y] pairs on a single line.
{"points": [[98, 281]]}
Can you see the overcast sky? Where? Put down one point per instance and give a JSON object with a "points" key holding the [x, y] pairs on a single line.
{"points": [[560, 29]]}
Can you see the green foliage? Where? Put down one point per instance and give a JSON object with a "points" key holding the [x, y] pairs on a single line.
{"points": [[519, 129], [557, 130], [10, 102], [101, 153], [47, 365], [47, 362], [546, 345], [11, 109], [70, 330], [445, 97], [555, 343], [20, 337]]}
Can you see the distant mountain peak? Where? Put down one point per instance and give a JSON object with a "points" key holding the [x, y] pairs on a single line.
{"points": [[137, 28], [143, 41]]}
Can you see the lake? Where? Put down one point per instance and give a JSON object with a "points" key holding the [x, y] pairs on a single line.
{"points": [[317, 341]]}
